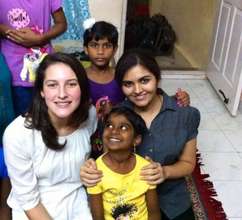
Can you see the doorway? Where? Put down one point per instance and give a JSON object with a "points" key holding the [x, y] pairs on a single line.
{"points": [[192, 22]]}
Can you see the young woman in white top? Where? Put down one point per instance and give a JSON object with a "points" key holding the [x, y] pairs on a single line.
{"points": [[45, 148]]}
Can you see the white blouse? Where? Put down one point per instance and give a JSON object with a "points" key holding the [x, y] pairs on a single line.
{"points": [[39, 174]]}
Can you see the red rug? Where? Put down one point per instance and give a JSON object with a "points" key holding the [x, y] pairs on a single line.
{"points": [[205, 206]]}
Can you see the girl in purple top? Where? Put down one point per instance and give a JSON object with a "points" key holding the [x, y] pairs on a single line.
{"points": [[26, 29], [100, 44]]}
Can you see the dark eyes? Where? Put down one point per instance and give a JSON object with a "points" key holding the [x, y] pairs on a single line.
{"points": [[121, 127], [51, 85], [130, 83], [69, 84], [72, 84], [127, 84], [144, 80], [96, 45]]}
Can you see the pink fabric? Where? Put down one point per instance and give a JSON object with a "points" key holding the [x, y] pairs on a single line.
{"points": [[16, 14]]}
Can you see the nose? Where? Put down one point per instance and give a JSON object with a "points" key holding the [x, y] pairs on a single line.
{"points": [[100, 49], [137, 88], [114, 130], [62, 94]]}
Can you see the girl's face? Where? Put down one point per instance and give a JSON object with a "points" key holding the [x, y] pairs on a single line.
{"points": [[140, 86], [119, 134], [61, 91], [100, 52]]}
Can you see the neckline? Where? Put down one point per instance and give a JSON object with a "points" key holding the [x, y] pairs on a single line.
{"points": [[116, 173], [69, 135], [98, 83]]}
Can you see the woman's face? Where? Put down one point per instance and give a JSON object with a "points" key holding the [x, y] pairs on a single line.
{"points": [[61, 91], [139, 85]]}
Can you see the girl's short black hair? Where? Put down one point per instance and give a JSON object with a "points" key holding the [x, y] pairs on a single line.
{"points": [[133, 58], [38, 118], [135, 119], [101, 30]]}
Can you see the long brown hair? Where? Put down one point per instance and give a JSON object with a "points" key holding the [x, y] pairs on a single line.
{"points": [[38, 118]]}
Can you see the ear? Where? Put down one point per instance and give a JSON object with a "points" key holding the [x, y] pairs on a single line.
{"points": [[42, 94], [85, 50], [158, 83], [137, 140], [115, 50]]}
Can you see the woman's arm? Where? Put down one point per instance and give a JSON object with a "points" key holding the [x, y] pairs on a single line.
{"points": [[21, 171], [89, 173], [155, 173], [38, 213], [96, 203], [186, 163], [152, 205]]}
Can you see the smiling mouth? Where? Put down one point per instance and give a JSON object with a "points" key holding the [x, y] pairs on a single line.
{"points": [[63, 104], [112, 139], [140, 97]]}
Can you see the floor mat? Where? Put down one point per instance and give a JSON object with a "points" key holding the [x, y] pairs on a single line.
{"points": [[205, 206]]}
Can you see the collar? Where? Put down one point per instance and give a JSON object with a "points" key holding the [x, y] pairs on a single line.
{"points": [[169, 102]]}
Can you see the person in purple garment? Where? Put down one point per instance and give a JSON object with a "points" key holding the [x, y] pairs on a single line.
{"points": [[25, 35], [100, 44]]}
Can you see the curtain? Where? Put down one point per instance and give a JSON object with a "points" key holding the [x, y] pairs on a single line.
{"points": [[76, 11]]}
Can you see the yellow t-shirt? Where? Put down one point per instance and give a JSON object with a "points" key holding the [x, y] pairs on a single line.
{"points": [[123, 194]]}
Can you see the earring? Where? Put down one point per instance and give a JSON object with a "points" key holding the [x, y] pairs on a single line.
{"points": [[135, 148]]}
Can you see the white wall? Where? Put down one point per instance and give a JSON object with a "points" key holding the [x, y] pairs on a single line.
{"points": [[113, 11]]}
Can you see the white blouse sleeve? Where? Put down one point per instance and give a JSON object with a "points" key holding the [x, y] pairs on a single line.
{"points": [[18, 148], [92, 120]]}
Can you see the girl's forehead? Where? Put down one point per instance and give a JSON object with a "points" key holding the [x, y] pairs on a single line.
{"points": [[118, 118]]}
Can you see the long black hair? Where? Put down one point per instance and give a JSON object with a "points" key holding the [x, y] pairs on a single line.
{"points": [[38, 118], [133, 58]]}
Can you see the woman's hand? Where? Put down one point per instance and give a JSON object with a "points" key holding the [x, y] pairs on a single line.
{"points": [[183, 98], [89, 173], [153, 173]]}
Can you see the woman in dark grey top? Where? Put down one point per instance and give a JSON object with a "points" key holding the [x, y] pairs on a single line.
{"points": [[170, 139]]}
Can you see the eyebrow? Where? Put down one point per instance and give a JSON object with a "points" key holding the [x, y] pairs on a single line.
{"points": [[146, 76], [54, 80]]}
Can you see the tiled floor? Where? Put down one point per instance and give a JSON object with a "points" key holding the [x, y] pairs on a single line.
{"points": [[219, 141]]}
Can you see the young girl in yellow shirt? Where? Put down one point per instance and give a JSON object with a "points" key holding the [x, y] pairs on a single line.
{"points": [[121, 194]]}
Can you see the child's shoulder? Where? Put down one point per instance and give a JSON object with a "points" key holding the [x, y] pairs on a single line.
{"points": [[100, 162], [141, 161]]}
